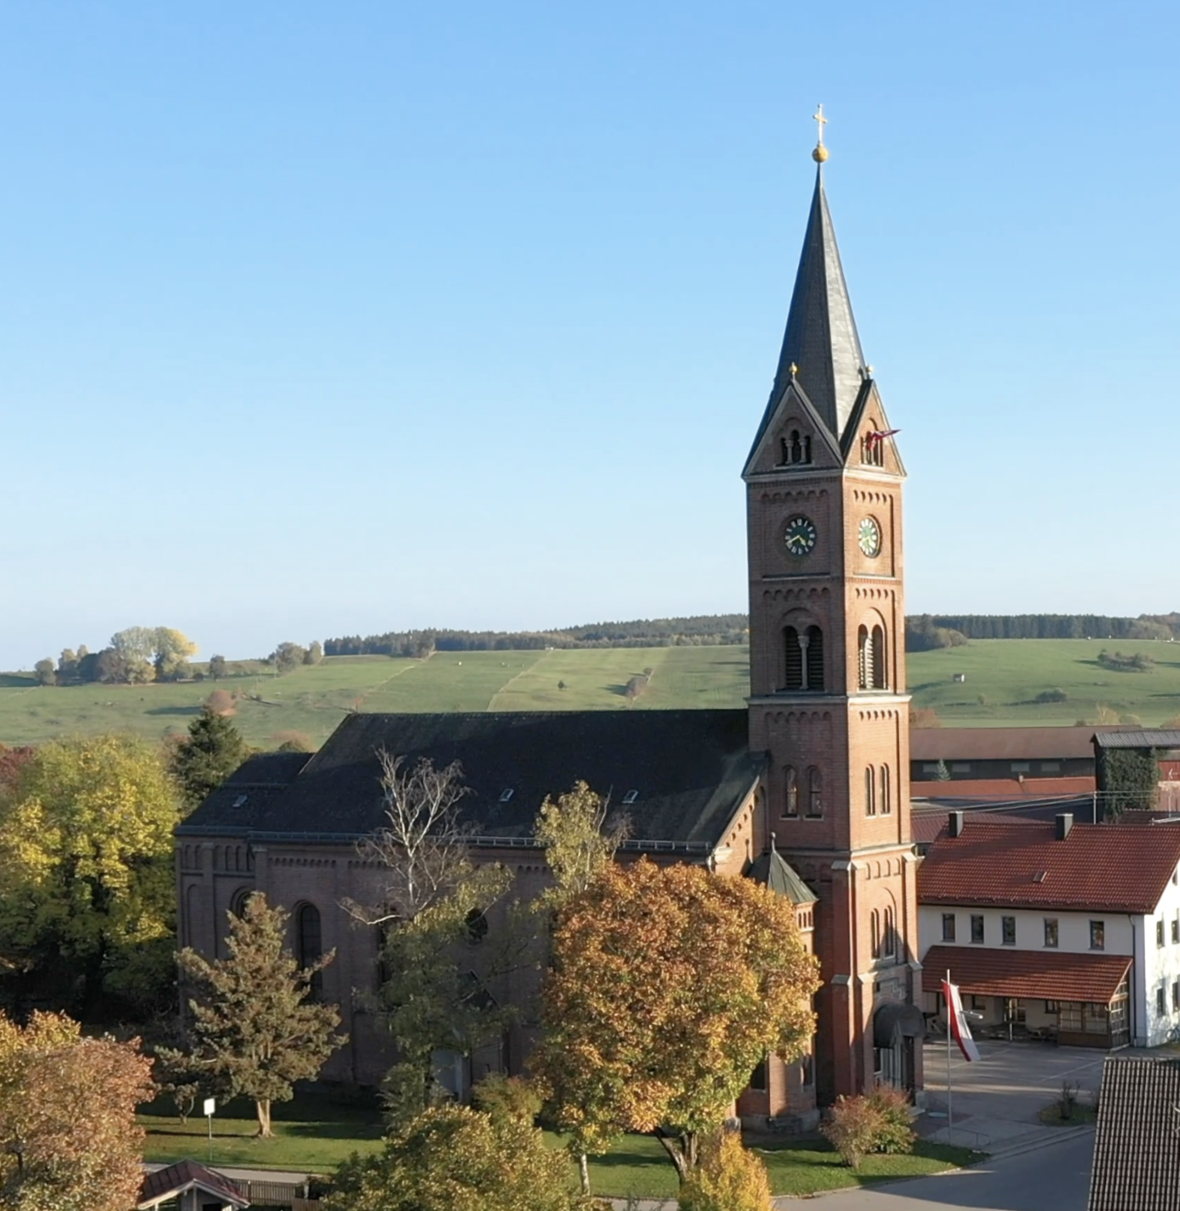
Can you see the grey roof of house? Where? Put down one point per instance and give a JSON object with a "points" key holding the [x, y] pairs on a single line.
{"points": [[821, 337], [691, 771], [248, 791], [1147, 737], [1137, 1143]]}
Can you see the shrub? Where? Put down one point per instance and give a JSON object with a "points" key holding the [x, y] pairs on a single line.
{"points": [[1052, 696], [728, 1178], [852, 1128], [924, 716], [507, 1097], [877, 1123], [896, 1135]]}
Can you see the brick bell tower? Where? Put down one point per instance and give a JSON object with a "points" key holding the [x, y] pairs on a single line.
{"points": [[827, 673]]}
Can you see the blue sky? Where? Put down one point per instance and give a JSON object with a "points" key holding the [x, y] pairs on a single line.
{"points": [[323, 319]]}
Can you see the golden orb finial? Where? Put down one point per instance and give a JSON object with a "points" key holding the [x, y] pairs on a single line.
{"points": [[820, 154]]}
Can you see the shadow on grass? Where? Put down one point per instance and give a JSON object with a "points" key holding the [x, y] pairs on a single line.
{"points": [[174, 710]]}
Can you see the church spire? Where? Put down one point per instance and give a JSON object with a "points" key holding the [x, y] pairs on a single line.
{"points": [[821, 349]]}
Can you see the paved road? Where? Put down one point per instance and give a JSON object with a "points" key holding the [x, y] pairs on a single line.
{"points": [[1055, 1177]]}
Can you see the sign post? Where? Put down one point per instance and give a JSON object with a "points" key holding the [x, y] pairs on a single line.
{"points": [[210, 1107]]}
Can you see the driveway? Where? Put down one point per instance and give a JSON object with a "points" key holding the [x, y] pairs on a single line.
{"points": [[1051, 1178], [995, 1101]]}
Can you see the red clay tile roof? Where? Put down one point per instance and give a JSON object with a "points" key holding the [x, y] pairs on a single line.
{"points": [[995, 972], [925, 826], [182, 1175], [1106, 867], [1002, 788]]}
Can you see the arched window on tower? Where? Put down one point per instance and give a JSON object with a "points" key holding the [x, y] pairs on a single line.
{"points": [[889, 938], [877, 664], [875, 933], [309, 944], [790, 791], [870, 793], [870, 658], [803, 658], [796, 448], [814, 659], [815, 793], [886, 805], [872, 449], [793, 672]]}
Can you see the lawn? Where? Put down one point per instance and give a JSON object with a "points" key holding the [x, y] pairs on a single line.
{"points": [[1005, 676], [314, 1134]]}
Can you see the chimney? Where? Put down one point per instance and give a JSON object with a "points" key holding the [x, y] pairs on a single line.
{"points": [[955, 826], [1064, 824]]}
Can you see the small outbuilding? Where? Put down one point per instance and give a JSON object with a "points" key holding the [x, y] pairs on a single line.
{"points": [[187, 1186]]}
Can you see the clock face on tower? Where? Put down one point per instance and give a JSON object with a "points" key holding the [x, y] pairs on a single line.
{"points": [[869, 537], [799, 536]]}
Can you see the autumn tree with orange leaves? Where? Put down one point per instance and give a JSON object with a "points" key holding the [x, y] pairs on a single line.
{"points": [[68, 1138], [669, 985]]}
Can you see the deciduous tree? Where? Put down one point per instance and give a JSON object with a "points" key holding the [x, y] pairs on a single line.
{"points": [[68, 1139], [287, 656], [453, 1158], [45, 672], [436, 992], [216, 667], [212, 751], [254, 1023], [87, 897], [669, 985], [579, 840]]}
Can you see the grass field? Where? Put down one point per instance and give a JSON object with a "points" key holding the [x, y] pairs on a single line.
{"points": [[314, 1135], [1004, 678]]}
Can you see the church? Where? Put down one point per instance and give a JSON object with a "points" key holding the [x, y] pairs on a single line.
{"points": [[807, 788]]}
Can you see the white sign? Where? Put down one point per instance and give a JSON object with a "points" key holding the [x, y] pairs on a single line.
{"points": [[210, 1106]]}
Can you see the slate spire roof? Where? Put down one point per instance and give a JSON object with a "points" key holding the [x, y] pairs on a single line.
{"points": [[821, 338]]}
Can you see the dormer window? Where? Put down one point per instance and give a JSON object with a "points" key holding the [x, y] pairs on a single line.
{"points": [[796, 449], [506, 794], [630, 798]]}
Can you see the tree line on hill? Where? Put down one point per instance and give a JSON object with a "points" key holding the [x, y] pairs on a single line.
{"points": [[697, 630], [1051, 626]]}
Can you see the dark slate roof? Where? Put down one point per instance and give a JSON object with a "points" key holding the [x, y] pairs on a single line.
{"points": [[1148, 737], [1137, 1143], [252, 787], [778, 874], [183, 1175], [691, 769], [821, 337]]}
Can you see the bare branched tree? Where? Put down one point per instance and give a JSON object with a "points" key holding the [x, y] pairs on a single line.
{"points": [[424, 849]]}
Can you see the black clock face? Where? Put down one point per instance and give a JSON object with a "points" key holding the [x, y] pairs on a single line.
{"points": [[799, 536]]}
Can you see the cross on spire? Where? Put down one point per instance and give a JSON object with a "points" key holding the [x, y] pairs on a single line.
{"points": [[820, 121]]}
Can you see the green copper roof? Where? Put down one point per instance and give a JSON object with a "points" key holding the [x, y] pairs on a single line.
{"points": [[776, 872]]}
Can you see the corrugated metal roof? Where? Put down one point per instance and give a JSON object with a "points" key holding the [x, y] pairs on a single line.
{"points": [[1103, 867], [1136, 1146], [1147, 737], [1053, 975], [1000, 743]]}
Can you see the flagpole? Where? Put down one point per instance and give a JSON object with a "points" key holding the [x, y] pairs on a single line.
{"points": [[950, 1121]]}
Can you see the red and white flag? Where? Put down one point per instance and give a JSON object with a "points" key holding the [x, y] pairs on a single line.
{"points": [[957, 1022]]}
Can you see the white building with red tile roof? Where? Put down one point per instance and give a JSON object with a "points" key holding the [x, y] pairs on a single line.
{"points": [[1055, 928]]}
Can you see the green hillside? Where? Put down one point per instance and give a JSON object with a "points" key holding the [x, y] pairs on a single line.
{"points": [[1003, 681]]}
